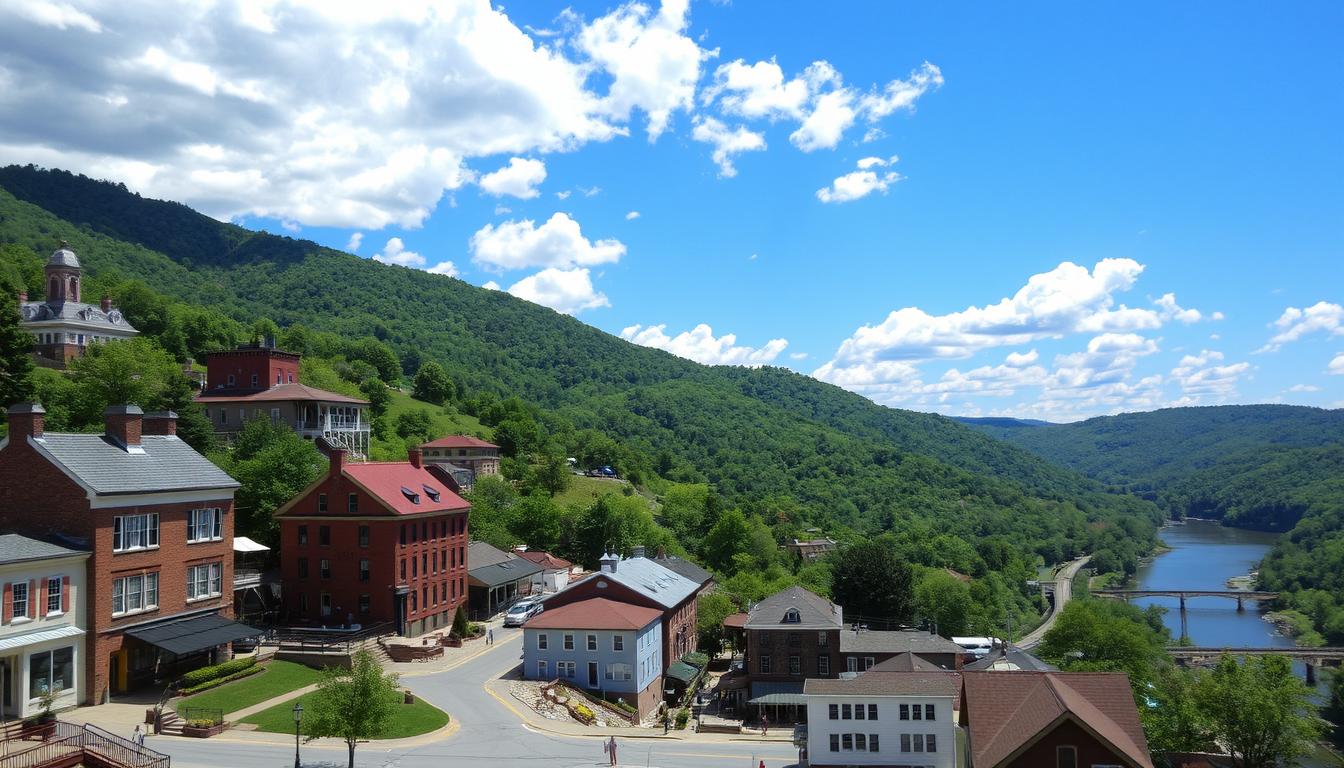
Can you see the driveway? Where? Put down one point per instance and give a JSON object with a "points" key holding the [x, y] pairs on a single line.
{"points": [[484, 732]]}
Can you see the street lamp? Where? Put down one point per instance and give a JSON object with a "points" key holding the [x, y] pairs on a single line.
{"points": [[298, 717]]}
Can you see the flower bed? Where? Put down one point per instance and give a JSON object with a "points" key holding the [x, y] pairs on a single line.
{"points": [[203, 729]]}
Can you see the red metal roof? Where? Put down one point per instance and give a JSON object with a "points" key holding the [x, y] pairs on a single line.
{"points": [[547, 560], [595, 613], [280, 392], [459, 441], [735, 621], [385, 479]]}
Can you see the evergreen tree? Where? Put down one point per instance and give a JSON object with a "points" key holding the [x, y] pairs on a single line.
{"points": [[16, 346]]}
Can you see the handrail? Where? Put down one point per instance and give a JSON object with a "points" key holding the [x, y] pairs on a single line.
{"points": [[60, 739], [214, 714], [326, 640]]}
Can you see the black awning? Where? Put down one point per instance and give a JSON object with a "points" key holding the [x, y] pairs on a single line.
{"points": [[195, 634]]}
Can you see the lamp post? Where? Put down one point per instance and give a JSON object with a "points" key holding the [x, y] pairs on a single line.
{"points": [[298, 717]]}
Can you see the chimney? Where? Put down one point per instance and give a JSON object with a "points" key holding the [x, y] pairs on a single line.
{"points": [[160, 423], [23, 296], [609, 562], [413, 456], [26, 420], [637, 552], [337, 456], [107, 303], [123, 425]]}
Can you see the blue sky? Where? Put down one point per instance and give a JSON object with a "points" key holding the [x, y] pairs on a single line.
{"points": [[1055, 214]]}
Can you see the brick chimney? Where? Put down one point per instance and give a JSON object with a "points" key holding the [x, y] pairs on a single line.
{"points": [[26, 420], [123, 425], [413, 456], [107, 303], [337, 457], [159, 423]]}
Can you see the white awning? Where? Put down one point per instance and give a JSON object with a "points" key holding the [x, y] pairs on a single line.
{"points": [[244, 544], [41, 636]]}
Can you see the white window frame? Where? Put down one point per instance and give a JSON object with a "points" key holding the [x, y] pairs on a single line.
{"points": [[143, 528], [618, 642], [543, 669], [145, 597], [205, 524], [568, 643], [543, 641], [619, 670], [591, 643], [14, 599], [206, 576], [55, 586]]}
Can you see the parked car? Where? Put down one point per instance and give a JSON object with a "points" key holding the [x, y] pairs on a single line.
{"points": [[521, 611]]}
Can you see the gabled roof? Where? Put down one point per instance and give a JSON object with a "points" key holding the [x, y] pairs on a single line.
{"points": [[905, 662], [480, 554], [492, 567], [595, 613], [1006, 712], [686, 568], [546, 560], [650, 579], [385, 480], [166, 463], [18, 549], [814, 611], [896, 641], [280, 392], [875, 683], [459, 441]]}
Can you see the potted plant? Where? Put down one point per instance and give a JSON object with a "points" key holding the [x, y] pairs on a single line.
{"points": [[43, 724]]}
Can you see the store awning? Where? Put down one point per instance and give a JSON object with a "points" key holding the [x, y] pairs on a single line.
{"points": [[33, 638], [779, 698], [680, 670], [244, 544], [195, 634]]}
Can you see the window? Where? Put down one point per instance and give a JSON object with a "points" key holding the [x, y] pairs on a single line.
{"points": [[543, 641], [765, 663], [424, 563], [321, 502], [254, 379], [132, 532], [618, 642], [19, 597], [303, 567], [833, 711], [303, 535], [364, 569], [363, 535], [618, 671], [905, 712], [303, 603], [232, 380], [135, 594], [824, 665], [795, 665], [413, 601], [835, 742], [415, 567], [872, 742], [592, 642], [823, 640], [223, 416], [930, 742], [928, 711], [565, 669], [851, 664], [54, 595], [791, 616], [905, 742], [847, 742], [363, 603], [324, 535], [205, 525], [403, 534], [51, 671], [352, 504], [205, 580], [861, 742], [569, 642], [867, 663], [858, 712], [872, 711], [916, 712], [542, 670], [1066, 757], [403, 569], [918, 740], [846, 712], [324, 568], [324, 604]]}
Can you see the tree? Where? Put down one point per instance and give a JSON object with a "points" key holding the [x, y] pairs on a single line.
{"points": [[872, 583], [1259, 710], [725, 540], [273, 464], [711, 610], [945, 601], [415, 424], [1097, 635], [16, 346], [1173, 721], [353, 705], [135, 371], [518, 435], [379, 356], [433, 384], [380, 399], [552, 474]]}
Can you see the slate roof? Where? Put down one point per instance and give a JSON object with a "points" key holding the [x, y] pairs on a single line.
{"points": [[905, 662], [280, 392], [681, 565], [18, 549], [595, 613], [76, 312], [896, 641], [650, 579], [814, 611], [1007, 711], [875, 683], [480, 554], [459, 441], [166, 464], [492, 567]]}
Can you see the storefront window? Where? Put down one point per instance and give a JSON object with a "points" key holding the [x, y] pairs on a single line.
{"points": [[51, 671]]}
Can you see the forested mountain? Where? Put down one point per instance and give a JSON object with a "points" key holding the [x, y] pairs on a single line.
{"points": [[782, 446]]}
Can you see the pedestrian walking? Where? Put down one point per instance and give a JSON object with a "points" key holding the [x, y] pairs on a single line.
{"points": [[490, 636], [138, 737], [765, 725], [609, 746], [141, 740]]}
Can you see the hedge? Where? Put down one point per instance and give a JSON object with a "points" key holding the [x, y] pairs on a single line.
{"points": [[218, 681], [206, 674]]}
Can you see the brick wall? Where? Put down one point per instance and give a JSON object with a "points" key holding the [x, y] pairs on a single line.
{"points": [[1090, 750], [780, 644]]}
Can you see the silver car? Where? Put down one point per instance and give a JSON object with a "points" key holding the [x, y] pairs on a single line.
{"points": [[521, 611]]}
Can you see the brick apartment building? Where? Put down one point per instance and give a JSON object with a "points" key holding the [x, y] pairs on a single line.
{"points": [[375, 542], [157, 520]]}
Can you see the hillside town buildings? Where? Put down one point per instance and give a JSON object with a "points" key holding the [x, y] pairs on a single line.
{"points": [[63, 325], [465, 457], [42, 624]]}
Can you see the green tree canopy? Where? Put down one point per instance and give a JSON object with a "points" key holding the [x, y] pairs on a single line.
{"points": [[273, 464], [353, 705], [16, 346], [1259, 710], [433, 384], [872, 583], [944, 601], [1097, 635]]}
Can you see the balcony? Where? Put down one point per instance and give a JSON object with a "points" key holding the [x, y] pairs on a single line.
{"points": [[245, 578]]}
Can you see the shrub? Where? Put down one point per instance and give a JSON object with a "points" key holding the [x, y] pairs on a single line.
{"points": [[683, 716], [208, 684], [583, 713], [203, 722], [461, 627], [205, 674], [697, 660]]}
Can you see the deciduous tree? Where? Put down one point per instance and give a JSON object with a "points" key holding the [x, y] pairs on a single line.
{"points": [[1259, 710], [873, 583], [353, 705]]}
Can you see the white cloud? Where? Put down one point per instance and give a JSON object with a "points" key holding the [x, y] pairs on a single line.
{"points": [[60, 16], [590, 191], [727, 142], [757, 90], [356, 240], [902, 94], [565, 290], [556, 243], [831, 116], [1021, 359], [394, 252], [502, 210], [1336, 366], [490, 285], [564, 194], [631, 216], [798, 355], [1172, 311], [1202, 380], [444, 268], [861, 183], [699, 344], [1308, 387], [520, 178], [1295, 323]]}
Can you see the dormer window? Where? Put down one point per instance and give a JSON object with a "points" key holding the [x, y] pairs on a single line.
{"points": [[410, 495], [791, 616], [431, 493]]}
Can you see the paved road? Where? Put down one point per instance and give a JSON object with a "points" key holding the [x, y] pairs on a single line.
{"points": [[1063, 591], [488, 734]]}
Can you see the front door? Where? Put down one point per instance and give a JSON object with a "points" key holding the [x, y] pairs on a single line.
{"points": [[7, 682], [592, 674], [116, 672]]}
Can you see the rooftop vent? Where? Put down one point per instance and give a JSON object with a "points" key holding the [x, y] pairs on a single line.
{"points": [[410, 495], [431, 493]]}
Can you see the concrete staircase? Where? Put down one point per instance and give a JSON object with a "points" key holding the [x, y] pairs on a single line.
{"points": [[170, 723]]}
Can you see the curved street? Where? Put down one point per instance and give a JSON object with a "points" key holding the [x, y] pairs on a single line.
{"points": [[1063, 591]]}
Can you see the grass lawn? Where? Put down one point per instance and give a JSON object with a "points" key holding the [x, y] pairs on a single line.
{"points": [[444, 424], [409, 720], [585, 490], [279, 677]]}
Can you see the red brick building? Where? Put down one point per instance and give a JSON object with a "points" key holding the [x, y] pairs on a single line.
{"points": [[62, 325], [157, 520], [639, 580], [375, 542]]}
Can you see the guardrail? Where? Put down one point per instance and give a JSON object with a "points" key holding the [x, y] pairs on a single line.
{"points": [[57, 742], [328, 640], [213, 714]]}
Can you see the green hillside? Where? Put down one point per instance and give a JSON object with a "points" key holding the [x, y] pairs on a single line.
{"points": [[785, 447]]}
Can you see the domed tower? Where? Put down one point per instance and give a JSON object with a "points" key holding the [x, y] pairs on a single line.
{"points": [[63, 275]]}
